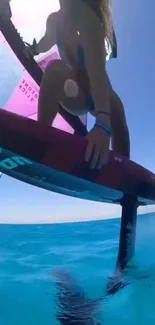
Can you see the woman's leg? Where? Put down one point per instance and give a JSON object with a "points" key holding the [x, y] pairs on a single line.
{"points": [[120, 132], [59, 86], [53, 90]]}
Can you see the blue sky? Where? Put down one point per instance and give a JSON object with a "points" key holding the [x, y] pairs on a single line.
{"points": [[133, 77]]}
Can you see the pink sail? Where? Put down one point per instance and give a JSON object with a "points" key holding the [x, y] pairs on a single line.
{"points": [[19, 92]]}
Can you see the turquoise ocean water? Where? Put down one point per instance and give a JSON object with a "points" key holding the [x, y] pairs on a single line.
{"points": [[87, 251]]}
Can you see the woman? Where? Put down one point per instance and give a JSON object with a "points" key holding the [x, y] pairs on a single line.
{"points": [[79, 81]]}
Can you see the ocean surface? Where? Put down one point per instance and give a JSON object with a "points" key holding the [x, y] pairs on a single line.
{"points": [[32, 255]]}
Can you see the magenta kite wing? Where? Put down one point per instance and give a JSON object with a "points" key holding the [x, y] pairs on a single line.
{"points": [[19, 92]]}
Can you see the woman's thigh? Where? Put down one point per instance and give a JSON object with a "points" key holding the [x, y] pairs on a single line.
{"points": [[75, 98]]}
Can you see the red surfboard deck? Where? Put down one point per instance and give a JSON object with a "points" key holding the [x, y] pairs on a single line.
{"points": [[57, 163]]}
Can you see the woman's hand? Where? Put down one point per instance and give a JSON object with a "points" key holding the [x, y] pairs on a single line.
{"points": [[98, 147], [30, 50]]}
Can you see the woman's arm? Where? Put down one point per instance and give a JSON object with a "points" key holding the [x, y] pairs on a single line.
{"points": [[49, 39], [95, 57]]}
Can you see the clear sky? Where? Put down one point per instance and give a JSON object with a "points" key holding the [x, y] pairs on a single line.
{"points": [[133, 77]]}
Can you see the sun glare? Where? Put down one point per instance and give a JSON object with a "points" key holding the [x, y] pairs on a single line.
{"points": [[29, 16]]}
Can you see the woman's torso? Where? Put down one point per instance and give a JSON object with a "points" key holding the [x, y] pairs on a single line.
{"points": [[70, 47], [69, 44], [68, 41]]}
